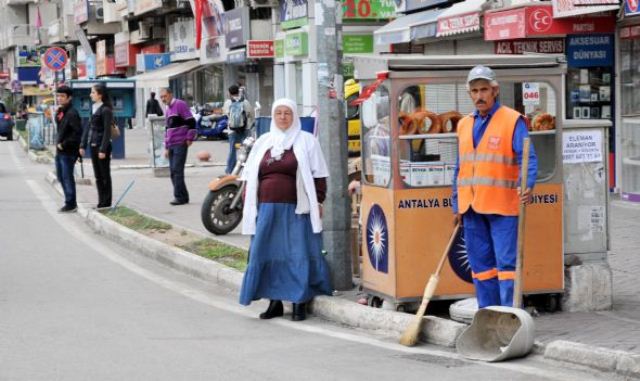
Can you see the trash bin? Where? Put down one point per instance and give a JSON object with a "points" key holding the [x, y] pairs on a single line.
{"points": [[21, 124]]}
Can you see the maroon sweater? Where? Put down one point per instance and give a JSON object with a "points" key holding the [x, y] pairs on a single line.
{"points": [[277, 180]]}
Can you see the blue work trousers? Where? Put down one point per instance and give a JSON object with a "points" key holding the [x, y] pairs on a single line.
{"points": [[491, 242], [64, 172]]}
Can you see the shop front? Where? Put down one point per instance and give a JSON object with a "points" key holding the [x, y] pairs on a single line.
{"points": [[629, 107], [588, 44]]}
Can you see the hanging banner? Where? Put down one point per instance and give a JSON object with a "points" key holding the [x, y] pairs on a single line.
{"points": [[293, 13], [377, 9], [569, 8], [182, 44], [631, 7], [237, 27]]}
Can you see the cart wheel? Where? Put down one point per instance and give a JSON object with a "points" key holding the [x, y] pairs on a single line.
{"points": [[552, 303], [375, 302]]}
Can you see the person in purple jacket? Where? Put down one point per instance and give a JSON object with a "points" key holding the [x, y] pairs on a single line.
{"points": [[180, 133]]}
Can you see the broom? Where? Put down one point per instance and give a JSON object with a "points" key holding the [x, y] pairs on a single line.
{"points": [[409, 337]]}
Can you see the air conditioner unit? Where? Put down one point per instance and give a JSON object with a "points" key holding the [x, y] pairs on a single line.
{"points": [[264, 3], [144, 30], [99, 13]]}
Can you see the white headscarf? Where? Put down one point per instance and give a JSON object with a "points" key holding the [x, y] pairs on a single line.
{"points": [[311, 164], [281, 141]]}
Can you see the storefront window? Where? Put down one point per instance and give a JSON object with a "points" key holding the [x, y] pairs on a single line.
{"points": [[376, 145], [428, 119], [589, 93], [630, 76]]}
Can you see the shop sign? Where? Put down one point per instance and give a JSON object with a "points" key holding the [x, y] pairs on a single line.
{"points": [[590, 51], [236, 27], [538, 21], [630, 32], [569, 8], [353, 44], [237, 57], [293, 13], [213, 48], [375, 9], [80, 12], [144, 6], [530, 93], [101, 57], [28, 56], [153, 49], [296, 44], [546, 46], [182, 40], [631, 7], [260, 49], [28, 75], [149, 62], [279, 48], [459, 23]]}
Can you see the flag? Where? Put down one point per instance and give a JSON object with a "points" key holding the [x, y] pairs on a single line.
{"points": [[38, 23]]}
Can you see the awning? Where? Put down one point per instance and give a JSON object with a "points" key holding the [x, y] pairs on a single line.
{"points": [[401, 29], [461, 18], [160, 77]]}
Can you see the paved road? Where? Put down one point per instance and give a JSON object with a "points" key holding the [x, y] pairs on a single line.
{"points": [[76, 307]]}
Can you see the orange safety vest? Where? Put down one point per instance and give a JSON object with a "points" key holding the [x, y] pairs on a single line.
{"points": [[488, 176]]}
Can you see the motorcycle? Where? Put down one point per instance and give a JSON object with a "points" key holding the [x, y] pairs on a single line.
{"points": [[222, 208], [210, 123]]}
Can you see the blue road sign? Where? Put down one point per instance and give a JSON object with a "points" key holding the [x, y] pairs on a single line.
{"points": [[55, 58]]}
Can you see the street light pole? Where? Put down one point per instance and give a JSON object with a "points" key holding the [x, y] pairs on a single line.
{"points": [[333, 139]]}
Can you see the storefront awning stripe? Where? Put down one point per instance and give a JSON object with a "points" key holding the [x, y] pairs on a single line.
{"points": [[463, 17], [399, 30], [160, 77]]}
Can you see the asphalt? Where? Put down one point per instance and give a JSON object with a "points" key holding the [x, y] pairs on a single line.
{"points": [[608, 340]]}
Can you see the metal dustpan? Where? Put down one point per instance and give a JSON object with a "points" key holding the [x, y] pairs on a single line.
{"points": [[498, 333]]}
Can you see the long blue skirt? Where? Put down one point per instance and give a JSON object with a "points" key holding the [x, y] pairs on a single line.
{"points": [[285, 259]]}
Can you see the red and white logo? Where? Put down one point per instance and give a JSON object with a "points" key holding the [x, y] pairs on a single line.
{"points": [[633, 5], [494, 142], [541, 19]]}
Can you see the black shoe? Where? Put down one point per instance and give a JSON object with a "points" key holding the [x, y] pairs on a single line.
{"points": [[68, 209], [178, 202], [299, 312], [275, 310]]}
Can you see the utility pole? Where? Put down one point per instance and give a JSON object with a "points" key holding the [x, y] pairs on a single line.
{"points": [[333, 139]]}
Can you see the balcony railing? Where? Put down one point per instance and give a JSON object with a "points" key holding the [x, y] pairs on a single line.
{"points": [[22, 34]]}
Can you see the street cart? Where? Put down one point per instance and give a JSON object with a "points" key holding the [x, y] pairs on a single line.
{"points": [[410, 109]]}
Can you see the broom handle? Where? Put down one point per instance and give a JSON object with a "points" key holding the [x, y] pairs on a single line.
{"points": [[524, 170], [433, 281]]}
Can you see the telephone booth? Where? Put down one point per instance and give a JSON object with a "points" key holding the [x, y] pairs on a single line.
{"points": [[409, 151]]}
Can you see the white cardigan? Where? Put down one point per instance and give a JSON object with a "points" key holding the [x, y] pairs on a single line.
{"points": [[311, 164]]}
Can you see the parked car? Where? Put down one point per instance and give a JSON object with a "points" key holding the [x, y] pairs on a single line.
{"points": [[6, 122]]}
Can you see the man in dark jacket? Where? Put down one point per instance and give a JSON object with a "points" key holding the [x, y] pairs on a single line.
{"points": [[153, 106], [67, 147]]}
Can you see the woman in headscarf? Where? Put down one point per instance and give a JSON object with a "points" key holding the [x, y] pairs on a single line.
{"points": [[285, 179]]}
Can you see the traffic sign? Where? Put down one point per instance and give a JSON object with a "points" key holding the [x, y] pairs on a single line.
{"points": [[55, 58]]}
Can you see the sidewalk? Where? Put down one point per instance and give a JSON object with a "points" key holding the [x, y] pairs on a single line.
{"points": [[601, 333]]}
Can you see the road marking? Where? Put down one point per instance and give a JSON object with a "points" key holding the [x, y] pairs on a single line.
{"points": [[223, 304], [14, 157]]}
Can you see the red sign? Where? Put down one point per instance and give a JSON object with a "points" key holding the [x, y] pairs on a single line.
{"points": [[153, 49], [547, 46], [459, 23], [125, 54], [629, 32], [55, 58], [260, 49], [538, 21]]}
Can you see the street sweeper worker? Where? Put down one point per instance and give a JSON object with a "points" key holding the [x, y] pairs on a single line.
{"points": [[486, 187]]}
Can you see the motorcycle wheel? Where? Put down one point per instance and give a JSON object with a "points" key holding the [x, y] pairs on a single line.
{"points": [[216, 214]]}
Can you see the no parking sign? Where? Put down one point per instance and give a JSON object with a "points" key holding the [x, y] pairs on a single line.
{"points": [[55, 58]]}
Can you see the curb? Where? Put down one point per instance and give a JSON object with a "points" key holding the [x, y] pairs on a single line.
{"points": [[435, 330], [42, 159]]}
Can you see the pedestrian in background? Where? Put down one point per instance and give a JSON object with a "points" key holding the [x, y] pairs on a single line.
{"points": [[153, 106], [178, 136], [286, 185], [67, 146], [487, 189], [97, 136], [239, 117]]}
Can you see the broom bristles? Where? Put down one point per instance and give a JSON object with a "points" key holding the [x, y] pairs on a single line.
{"points": [[409, 337]]}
